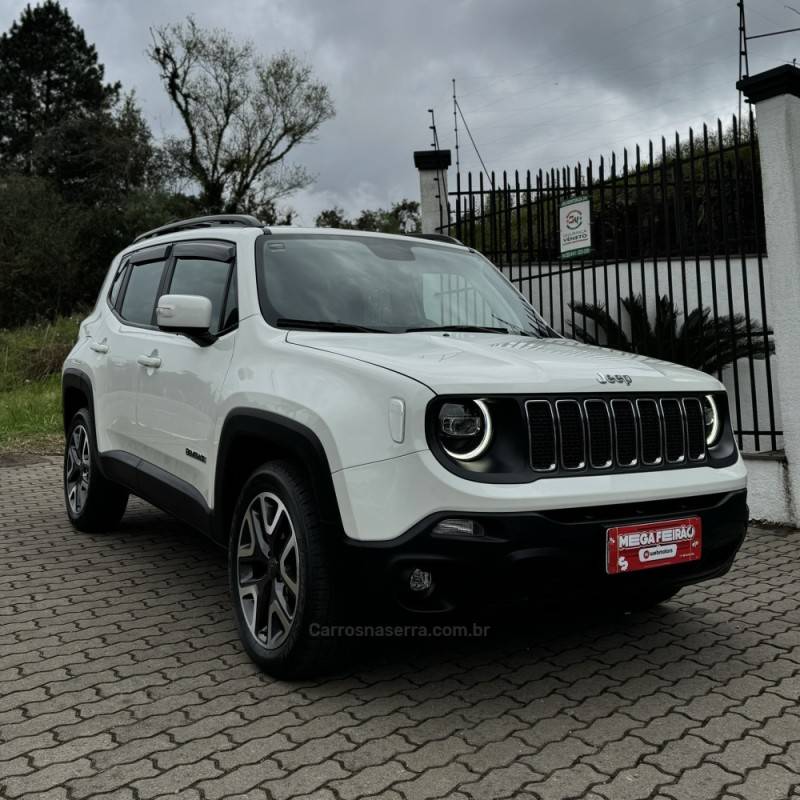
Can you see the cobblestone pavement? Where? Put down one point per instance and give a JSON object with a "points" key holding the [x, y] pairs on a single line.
{"points": [[121, 677]]}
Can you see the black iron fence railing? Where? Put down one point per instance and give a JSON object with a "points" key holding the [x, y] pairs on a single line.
{"points": [[676, 267]]}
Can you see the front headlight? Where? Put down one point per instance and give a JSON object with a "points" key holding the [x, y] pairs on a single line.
{"points": [[464, 429], [711, 420]]}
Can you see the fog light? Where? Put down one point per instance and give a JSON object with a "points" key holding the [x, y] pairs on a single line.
{"points": [[420, 580], [458, 527]]}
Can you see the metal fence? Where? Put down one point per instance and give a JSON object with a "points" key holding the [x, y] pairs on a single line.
{"points": [[677, 264]]}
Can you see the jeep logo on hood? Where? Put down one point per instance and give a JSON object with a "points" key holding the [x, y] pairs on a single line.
{"points": [[626, 379]]}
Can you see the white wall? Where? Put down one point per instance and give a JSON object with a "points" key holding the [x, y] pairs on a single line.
{"points": [[433, 199], [779, 143], [769, 493]]}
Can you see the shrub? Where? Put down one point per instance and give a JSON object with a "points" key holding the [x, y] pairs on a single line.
{"points": [[701, 342]]}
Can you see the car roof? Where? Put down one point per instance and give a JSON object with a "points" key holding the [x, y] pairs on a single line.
{"points": [[238, 233], [435, 238]]}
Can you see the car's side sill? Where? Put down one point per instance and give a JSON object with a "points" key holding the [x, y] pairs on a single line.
{"points": [[159, 487]]}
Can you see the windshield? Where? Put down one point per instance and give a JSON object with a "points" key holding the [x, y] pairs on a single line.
{"points": [[360, 283]]}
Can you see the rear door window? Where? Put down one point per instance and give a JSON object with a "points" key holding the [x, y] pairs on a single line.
{"points": [[141, 293]]}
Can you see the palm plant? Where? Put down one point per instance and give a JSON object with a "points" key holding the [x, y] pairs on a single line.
{"points": [[701, 342]]}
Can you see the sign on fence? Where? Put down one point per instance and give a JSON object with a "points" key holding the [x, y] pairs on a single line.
{"points": [[575, 227]]}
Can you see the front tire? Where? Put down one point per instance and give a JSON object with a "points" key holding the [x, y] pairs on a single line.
{"points": [[281, 574], [93, 503]]}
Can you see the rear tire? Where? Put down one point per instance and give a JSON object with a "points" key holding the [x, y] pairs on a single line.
{"points": [[93, 503], [282, 573]]}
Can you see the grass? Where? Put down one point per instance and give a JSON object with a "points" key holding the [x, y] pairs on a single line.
{"points": [[30, 385]]}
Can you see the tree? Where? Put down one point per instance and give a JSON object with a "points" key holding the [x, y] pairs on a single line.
{"points": [[243, 114], [102, 157], [48, 74], [333, 218], [402, 217], [37, 248], [701, 342]]}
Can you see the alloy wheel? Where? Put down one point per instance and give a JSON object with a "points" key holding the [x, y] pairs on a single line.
{"points": [[78, 469], [268, 570]]}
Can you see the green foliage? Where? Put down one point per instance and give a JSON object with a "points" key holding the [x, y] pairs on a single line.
{"points": [[333, 218], [55, 253], [38, 238], [105, 229], [30, 384], [80, 175], [48, 74], [35, 352], [30, 418], [402, 217], [100, 157], [268, 212], [700, 342]]}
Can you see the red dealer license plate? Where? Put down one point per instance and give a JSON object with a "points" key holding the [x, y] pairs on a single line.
{"points": [[630, 548]]}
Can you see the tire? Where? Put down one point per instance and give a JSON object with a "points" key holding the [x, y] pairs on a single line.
{"points": [[282, 572], [94, 504]]}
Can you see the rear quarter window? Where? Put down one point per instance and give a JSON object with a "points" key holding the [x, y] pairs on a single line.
{"points": [[116, 284]]}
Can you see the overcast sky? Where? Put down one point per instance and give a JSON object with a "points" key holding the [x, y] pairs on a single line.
{"points": [[541, 82]]}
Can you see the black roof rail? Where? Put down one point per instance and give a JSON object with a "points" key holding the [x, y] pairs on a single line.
{"points": [[243, 220], [437, 237]]}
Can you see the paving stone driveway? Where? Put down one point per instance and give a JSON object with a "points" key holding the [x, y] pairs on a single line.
{"points": [[121, 677]]}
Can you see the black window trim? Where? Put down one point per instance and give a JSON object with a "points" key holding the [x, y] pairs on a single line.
{"points": [[228, 285], [202, 253], [121, 275], [169, 253]]}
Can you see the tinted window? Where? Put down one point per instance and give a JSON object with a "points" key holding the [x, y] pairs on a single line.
{"points": [[140, 295], [231, 316], [205, 278], [116, 285]]}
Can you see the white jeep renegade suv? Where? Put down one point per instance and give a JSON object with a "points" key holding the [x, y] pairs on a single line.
{"points": [[338, 407]]}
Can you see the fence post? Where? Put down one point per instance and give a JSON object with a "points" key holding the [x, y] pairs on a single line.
{"points": [[432, 166], [776, 95]]}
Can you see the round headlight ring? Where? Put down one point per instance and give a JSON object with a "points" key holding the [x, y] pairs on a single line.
{"points": [[480, 449], [712, 436]]}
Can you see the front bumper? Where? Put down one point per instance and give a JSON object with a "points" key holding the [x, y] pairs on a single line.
{"points": [[383, 500], [532, 553]]}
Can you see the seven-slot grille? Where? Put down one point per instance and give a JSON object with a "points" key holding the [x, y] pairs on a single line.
{"points": [[600, 433]]}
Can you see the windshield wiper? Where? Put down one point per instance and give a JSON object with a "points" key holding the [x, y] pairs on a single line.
{"points": [[324, 325], [518, 332], [464, 328]]}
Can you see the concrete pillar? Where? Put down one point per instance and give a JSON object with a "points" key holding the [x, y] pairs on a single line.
{"points": [[432, 166], [776, 95]]}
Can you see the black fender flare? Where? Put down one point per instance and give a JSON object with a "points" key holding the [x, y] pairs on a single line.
{"points": [[73, 378], [289, 437]]}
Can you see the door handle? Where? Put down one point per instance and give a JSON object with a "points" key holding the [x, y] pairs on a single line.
{"points": [[151, 362], [99, 347]]}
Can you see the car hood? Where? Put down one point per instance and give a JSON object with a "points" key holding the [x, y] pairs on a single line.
{"points": [[474, 363]]}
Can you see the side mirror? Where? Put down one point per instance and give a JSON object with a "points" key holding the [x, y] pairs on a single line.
{"points": [[184, 313]]}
